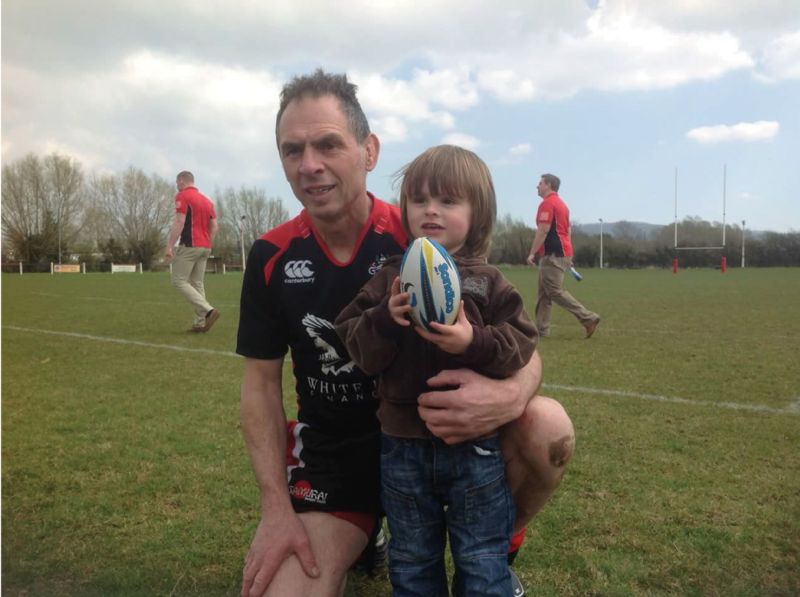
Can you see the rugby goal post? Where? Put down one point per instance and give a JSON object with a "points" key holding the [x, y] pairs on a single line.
{"points": [[723, 259]]}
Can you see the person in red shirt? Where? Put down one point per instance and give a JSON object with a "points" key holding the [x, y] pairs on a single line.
{"points": [[195, 225], [553, 246]]}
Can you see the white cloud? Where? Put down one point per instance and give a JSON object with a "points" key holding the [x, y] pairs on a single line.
{"points": [[394, 103], [744, 131], [507, 85], [616, 49], [462, 140], [452, 88], [754, 23], [159, 112], [781, 58], [206, 85], [389, 128], [520, 149]]}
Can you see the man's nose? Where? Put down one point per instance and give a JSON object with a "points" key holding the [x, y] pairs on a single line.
{"points": [[310, 162]]}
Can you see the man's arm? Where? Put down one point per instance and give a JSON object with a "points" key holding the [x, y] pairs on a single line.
{"points": [[280, 532], [538, 241], [213, 227], [174, 233], [477, 405], [366, 327]]}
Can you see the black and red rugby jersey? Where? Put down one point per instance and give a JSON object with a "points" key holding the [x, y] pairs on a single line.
{"points": [[554, 213], [293, 291], [199, 211]]}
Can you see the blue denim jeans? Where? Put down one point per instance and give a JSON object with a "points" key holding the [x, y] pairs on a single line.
{"points": [[430, 490]]}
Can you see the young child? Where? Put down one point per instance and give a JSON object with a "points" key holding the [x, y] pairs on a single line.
{"points": [[429, 488]]}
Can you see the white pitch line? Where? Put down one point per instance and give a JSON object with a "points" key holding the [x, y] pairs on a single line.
{"points": [[639, 331], [122, 341], [761, 408], [792, 409], [118, 300]]}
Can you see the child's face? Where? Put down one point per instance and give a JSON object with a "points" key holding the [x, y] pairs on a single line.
{"points": [[445, 219]]}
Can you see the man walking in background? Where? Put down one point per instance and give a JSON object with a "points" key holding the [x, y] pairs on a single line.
{"points": [[553, 245], [195, 225]]}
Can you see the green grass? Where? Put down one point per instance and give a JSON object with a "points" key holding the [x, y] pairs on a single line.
{"points": [[124, 471]]}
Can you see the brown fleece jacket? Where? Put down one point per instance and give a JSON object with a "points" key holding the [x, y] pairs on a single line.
{"points": [[504, 339]]}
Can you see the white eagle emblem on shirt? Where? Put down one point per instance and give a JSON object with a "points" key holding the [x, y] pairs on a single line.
{"points": [[326, 339]]}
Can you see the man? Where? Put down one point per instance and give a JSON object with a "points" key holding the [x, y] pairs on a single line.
{"points": [[298, 277], [553, 245], [196, 225]]}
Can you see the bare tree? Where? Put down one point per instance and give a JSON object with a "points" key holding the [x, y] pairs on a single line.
{"points": [[511, 241], [249, 209], [42, 205], [138, 210], [65, 190]]}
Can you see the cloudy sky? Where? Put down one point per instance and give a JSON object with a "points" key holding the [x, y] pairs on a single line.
{"points": [[611, 95]]}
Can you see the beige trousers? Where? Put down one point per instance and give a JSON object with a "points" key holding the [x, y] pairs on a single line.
{"points": [[188, 273], [551, 282]]}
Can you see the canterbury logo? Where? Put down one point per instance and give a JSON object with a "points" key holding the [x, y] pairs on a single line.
{"points": [[298, 270]]}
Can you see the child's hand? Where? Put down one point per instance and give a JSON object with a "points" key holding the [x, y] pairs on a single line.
{"points": [[399, 305], [455, 338]]}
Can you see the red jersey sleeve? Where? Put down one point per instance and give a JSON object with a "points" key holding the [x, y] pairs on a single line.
{"points": [[180, 203], [544, 215]]}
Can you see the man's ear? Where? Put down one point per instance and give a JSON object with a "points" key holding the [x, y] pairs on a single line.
{"points": [[372, 148]]}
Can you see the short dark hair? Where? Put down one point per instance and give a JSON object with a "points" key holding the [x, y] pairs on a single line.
{"points": [[185, 175], [457, 172], [320, 84], [553, 181]]}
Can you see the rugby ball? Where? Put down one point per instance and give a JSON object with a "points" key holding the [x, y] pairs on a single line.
{"points": [[430, 276]]}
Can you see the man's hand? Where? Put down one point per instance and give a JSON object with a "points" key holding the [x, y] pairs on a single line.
{"points": [[168, 255], [469, 405], [531, 259], [275, 540], [453, 339], [477, 406]]}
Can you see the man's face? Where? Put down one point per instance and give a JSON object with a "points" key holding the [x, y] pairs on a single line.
{"points": [[323, 162], [543, 189], [180, 184]]}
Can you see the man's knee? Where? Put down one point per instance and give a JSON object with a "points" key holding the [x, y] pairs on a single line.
{"points": [[543, 436], [560, 451], [336, 544], [537, 448]]}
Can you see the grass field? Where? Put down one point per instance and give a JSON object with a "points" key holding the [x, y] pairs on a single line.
{"points": [[124, 472]]}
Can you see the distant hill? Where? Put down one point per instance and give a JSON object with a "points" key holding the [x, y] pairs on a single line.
{"points": [[639, 229]]}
